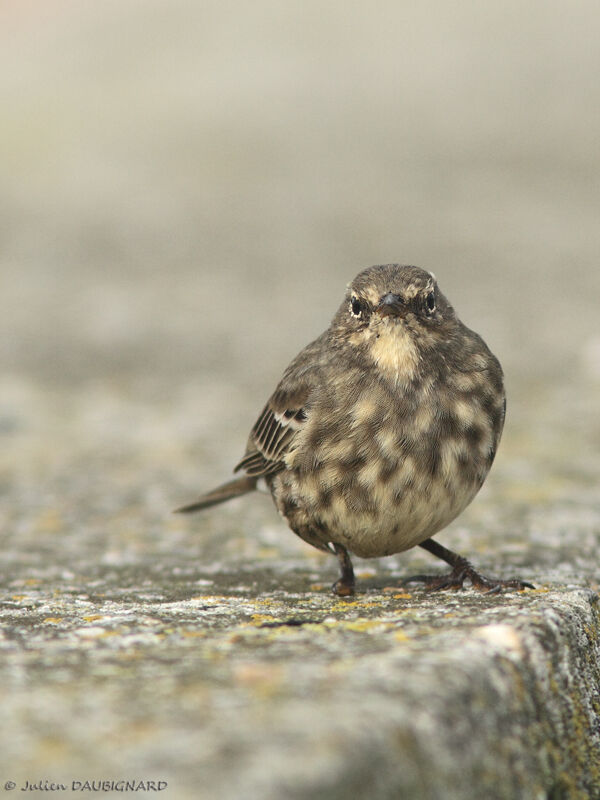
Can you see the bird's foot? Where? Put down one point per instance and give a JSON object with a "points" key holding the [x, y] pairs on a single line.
{"points": [[343, 588], [463, 572]]}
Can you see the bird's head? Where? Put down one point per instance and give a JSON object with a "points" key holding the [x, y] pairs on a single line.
{"points": [[394, 313]]}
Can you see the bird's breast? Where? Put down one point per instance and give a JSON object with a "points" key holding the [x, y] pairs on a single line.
{"points": [[379, 471]]}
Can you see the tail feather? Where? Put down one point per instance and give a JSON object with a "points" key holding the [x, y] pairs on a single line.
{"points": [[227, 491]]}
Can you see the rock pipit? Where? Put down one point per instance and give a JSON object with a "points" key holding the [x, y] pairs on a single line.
{"points": [[382, 430]]}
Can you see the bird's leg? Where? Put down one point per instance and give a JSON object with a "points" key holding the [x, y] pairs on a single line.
{"points": [[344, 586], [462, 570]]}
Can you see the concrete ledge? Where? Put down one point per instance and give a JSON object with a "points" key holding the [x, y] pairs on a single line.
{"points": [[226, 692]]}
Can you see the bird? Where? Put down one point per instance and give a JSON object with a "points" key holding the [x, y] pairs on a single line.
{"points": [[381, 431]]}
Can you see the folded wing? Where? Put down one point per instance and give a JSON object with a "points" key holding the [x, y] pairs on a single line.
{"points": [[274, 432]]}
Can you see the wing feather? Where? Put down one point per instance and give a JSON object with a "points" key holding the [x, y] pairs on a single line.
{"points": [[274, 432]]}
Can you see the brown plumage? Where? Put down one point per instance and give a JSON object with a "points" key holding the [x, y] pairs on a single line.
{"points": [[382, 430]]}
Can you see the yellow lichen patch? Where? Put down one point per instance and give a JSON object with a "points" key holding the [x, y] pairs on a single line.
{"points": [[366, 572], [400, 636], [93, 617], [32, 581], [51, 749], [360, 625], [19, 597], [193, 634], [268, 552], [50, 522], [344, 605], [52, 620], [590, 632]]}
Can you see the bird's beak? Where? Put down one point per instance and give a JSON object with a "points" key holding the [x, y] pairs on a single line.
{"points": [[390, 305]]}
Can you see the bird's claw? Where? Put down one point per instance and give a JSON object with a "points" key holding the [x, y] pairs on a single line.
{"points": [[343, 588], [457, 577]]}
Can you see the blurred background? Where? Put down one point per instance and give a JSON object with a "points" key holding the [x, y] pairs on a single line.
{"points": [[186, 188]]}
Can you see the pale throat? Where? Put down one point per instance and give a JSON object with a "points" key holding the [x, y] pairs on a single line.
{"points": [[394, 350]]}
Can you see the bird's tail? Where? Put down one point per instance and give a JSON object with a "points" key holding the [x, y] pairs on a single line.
{"points": [[227, 491]]}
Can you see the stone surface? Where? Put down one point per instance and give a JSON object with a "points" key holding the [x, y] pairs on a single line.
{"points": [[209, 652], [182, 203], [248, 681]]}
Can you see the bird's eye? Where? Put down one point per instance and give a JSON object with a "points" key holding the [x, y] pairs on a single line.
{"points": [[430, 302], [356, 307]]}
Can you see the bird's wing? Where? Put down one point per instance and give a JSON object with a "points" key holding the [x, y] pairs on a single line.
{"points": [[288, 410], [274, 431]]}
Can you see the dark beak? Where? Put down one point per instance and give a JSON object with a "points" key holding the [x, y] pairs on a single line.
{"points": [[390, 305]]}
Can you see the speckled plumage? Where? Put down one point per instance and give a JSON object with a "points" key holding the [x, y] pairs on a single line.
{"points": [[383, 429]]}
